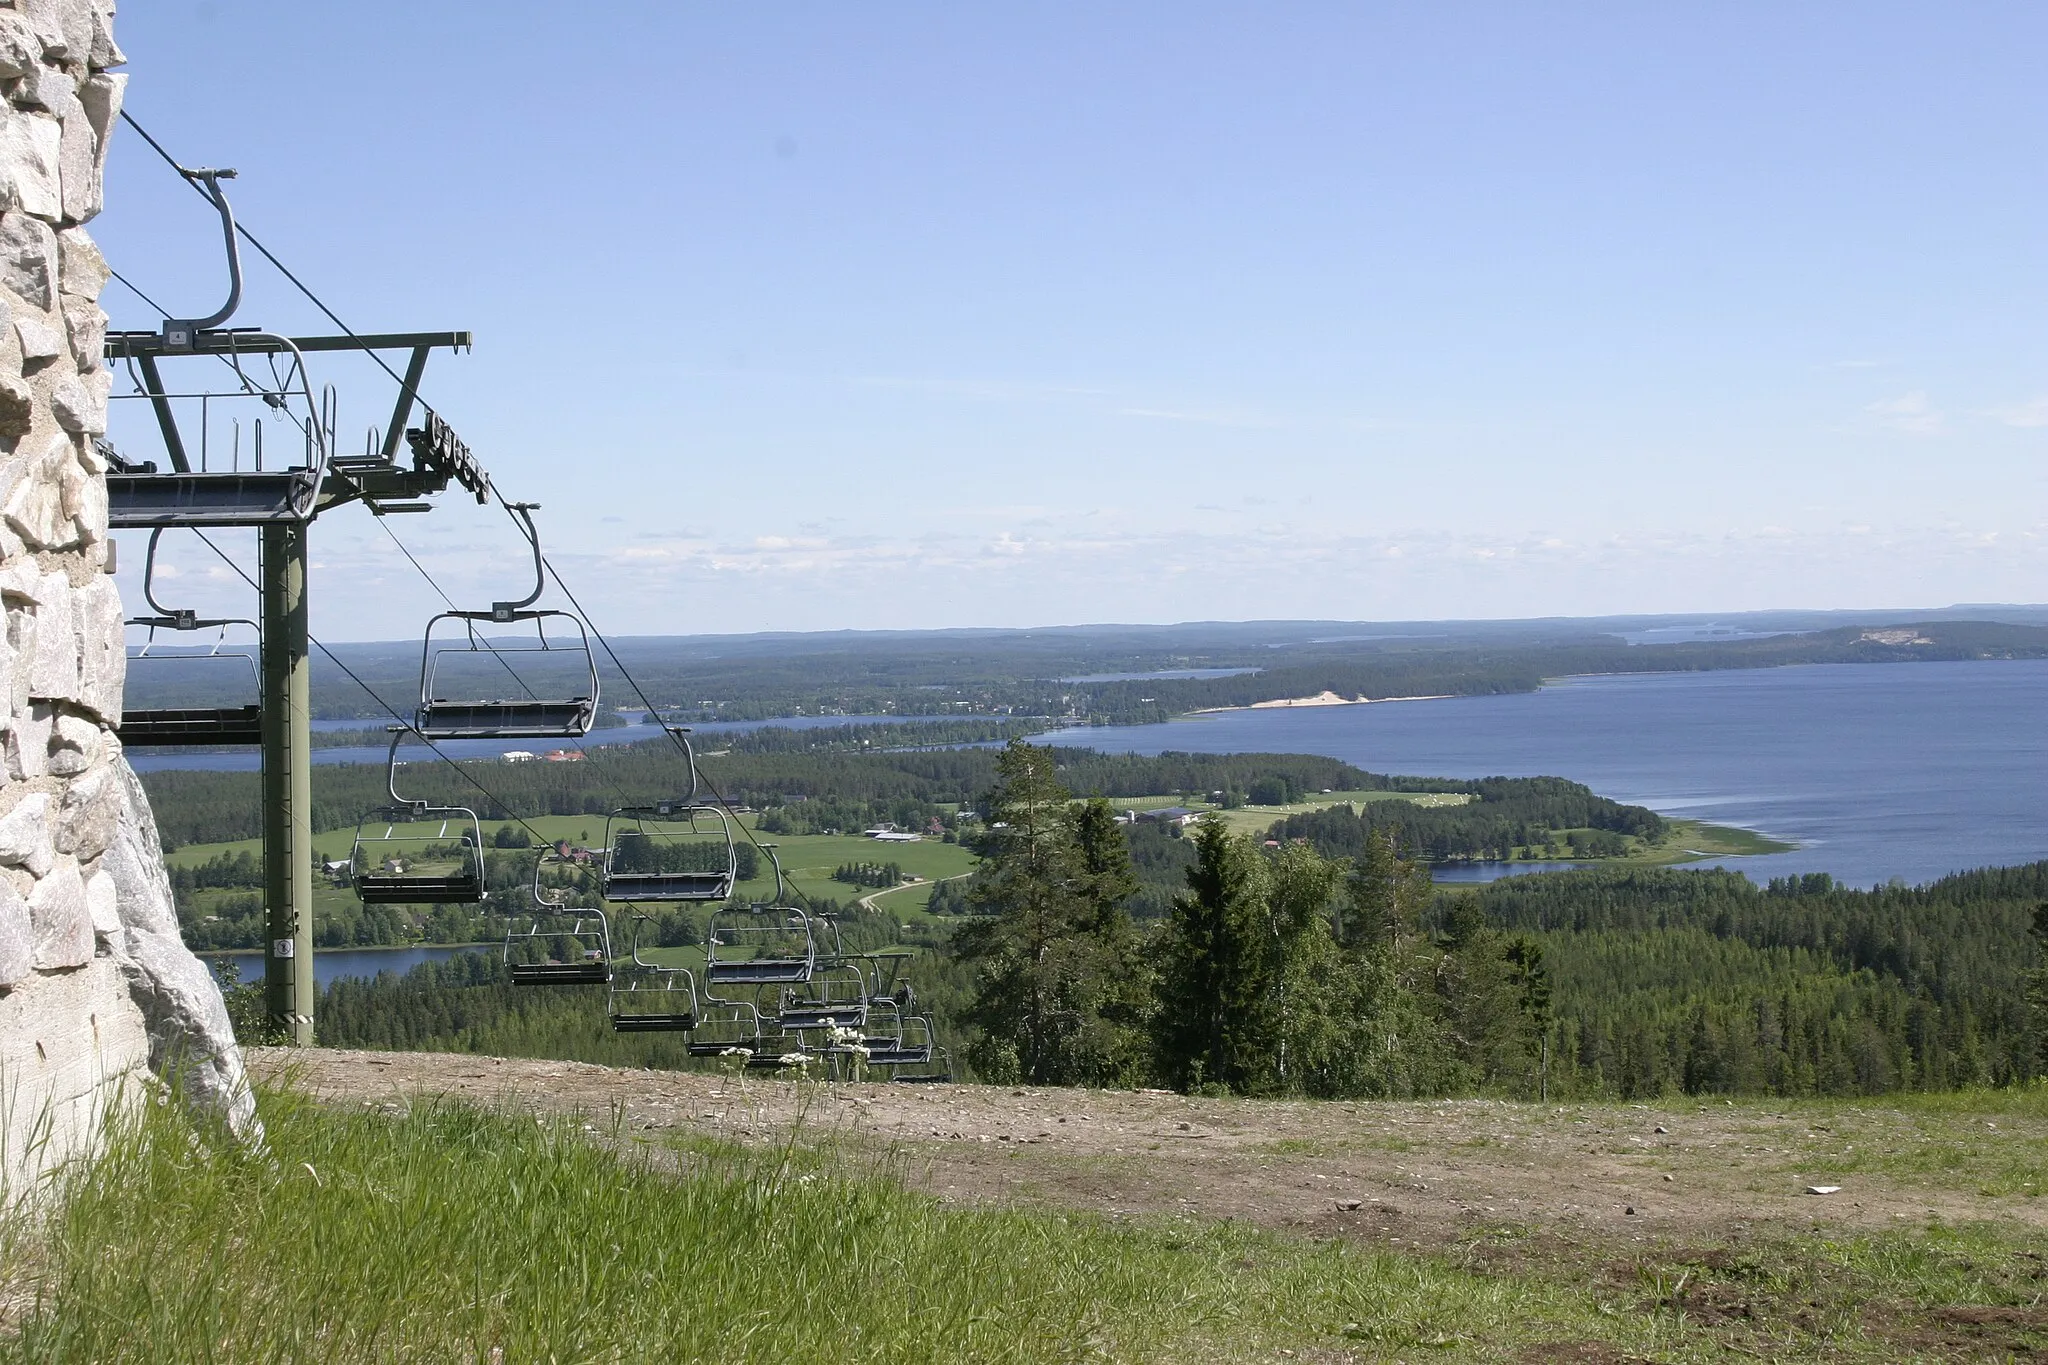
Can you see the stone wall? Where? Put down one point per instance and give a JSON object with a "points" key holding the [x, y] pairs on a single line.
{"points": [[94, 982]]}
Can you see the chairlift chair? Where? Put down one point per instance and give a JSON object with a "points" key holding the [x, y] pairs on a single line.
{"points": [[882, 1031], [831, 997], [156, 726], [726, 1028], [670, 853], [759, 946], [917, 1060], [441, 872], [551, 923], [139, 494], [651, 997], [447, 661]]}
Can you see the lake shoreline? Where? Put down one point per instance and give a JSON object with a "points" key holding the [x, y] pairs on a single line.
{"points": [[1320, 699]]}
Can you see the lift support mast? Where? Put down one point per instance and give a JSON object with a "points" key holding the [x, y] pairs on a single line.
{"points": [[281, 503]]}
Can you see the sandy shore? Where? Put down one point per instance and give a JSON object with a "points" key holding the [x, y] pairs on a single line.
{"points": [[1320, 699]]}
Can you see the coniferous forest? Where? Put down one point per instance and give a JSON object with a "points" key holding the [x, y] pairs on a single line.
{"points": [[1320, 960]]}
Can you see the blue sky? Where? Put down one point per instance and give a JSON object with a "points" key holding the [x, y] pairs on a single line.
{"points": [[812, 316]]}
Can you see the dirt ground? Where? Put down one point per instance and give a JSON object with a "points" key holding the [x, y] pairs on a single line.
{"points": [[1420, 1174]]}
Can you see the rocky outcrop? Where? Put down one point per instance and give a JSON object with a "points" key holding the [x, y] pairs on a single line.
{"points": [[95, 985], [190, 1040]]}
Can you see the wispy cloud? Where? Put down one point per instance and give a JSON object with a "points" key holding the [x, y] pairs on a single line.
{"points": [[1212, 419], [982, 390], [2032, 413], [1910, 413]]}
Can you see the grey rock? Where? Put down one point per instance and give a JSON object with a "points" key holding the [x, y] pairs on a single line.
{"points": [[101, 100], [85, 327], [102, 902], [29, 147], [53, 671], [90, 812], [103, 658], [74, 743], [64, 26], [20, 50], [25, 835], [47, 87], [39, 341], [190, 1038], [79, 402], [104, 52], [82, 270], [17, 408], [60, 921], [17, 947], [34, 507], [28, 741], [28, 247], [78, 152]]}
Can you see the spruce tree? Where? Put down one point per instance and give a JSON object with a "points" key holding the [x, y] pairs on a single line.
{"points": [[1217, 1012], [1060, 986]]}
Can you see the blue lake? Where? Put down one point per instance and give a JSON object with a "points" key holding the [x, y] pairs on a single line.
{"points": [[332, 964], [1875, 770]]}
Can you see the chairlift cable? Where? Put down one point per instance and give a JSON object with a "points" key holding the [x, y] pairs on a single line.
{"points": [[639, 692], [283, 413], [353, 677], [248, 236]]}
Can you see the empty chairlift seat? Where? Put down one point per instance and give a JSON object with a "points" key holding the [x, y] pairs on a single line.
{"points": [[415, 852], [179, 676], [832, 997], [555, 943], [475, 685], [759, 946], [649, 996], [523, 683], [678, 852], [424, 855], [208, 498], [726, 1028]]}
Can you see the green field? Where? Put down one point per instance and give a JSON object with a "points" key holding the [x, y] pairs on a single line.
{"points": [[808, 861]]}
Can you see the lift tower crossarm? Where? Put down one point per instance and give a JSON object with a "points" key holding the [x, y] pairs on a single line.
{"points": [[121, 345]]}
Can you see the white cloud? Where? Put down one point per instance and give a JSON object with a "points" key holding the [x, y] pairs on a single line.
{"points": [[1213, 419], [1911, 413], [2032, 413]]}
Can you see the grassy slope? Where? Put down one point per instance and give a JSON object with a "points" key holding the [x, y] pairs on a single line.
{"points": [[442, 1232]]}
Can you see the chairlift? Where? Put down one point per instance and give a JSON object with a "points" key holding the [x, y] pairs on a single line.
{"points": [[917, 1060], [759, 946], [156, 726], [832, 996], [778, 1049], [403, 866], [139, 494], [651, 997], [726, 1028], [885, 980], [464, 661], [558, 932]]}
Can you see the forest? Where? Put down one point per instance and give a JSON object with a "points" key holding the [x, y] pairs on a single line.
{"points": [[195, 807], [1324, 963]]}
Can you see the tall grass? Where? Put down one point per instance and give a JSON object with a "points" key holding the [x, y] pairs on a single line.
{"points": [[450, 1233]]}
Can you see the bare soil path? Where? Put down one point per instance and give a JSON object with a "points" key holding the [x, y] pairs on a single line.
{"points": [[1418, 1174]]}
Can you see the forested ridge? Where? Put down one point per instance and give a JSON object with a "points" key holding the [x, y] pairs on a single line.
{"points": [[999, 675]]}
